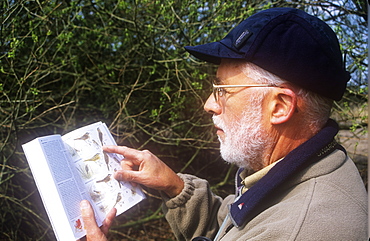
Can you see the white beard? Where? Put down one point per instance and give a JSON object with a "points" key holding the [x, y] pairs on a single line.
{"points": [[244, 141]]}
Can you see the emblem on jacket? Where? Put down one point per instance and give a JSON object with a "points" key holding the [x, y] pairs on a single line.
{"points": [[240, 206]]}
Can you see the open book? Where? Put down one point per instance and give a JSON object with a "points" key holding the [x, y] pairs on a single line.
{"points": [[68, 169]]}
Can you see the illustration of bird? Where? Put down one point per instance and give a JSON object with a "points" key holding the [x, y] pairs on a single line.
{"points": [[119, 184], [100, 136], [103, 208], [116, 159], [119, 198], [96, 144], [97, 192], [106, 158], [94, 158], [105, 179], [133, 191], [84, 137], [78, 224]]}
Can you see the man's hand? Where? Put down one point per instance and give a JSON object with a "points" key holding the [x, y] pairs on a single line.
{"points": [[93, 232], [145, 168]]}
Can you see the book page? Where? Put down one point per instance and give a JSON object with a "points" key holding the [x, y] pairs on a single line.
{"points": [[97, 168], [50, 164]]}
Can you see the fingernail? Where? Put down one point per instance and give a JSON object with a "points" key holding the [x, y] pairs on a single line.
{"points": [[84, 204]]}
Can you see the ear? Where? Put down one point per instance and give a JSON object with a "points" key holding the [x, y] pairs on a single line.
{"points": [[283, 106]]}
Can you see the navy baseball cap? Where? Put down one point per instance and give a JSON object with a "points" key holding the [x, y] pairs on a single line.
{"points": [[289, 43]]}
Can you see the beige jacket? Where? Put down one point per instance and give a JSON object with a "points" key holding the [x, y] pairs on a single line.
{"points": [[326, 201]]}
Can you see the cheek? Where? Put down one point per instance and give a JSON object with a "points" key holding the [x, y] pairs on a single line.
{"points": [[232, 113]]}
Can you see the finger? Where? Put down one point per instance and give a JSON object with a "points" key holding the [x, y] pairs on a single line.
{"points": [[128, 176], [88, 218], [108, 221], [133, 155], [128, 165], [116, 149], [118, 176]]}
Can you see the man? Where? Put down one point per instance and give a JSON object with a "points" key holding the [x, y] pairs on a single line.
{"points": [[279, 72]]}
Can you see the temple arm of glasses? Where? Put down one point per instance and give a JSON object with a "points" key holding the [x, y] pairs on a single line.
{"points": [[234, 86]]}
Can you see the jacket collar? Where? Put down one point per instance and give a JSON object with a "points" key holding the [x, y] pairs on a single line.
{"points": [[316, 148]]}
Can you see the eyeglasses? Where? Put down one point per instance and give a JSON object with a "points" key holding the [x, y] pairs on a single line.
{"points": [[219, 91]]}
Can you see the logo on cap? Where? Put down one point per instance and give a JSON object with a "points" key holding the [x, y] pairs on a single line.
{"points": [[244, 36]]}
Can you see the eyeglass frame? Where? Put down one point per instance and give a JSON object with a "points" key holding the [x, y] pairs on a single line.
{"points": [[217, 89]]}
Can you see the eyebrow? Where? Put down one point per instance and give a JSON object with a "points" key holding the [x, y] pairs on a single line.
{"points": [[217, 81]]}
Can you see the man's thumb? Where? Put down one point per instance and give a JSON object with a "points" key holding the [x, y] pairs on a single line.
{"points": [[88, 218]]}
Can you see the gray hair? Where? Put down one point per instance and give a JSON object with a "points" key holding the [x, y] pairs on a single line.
{"points": [[317, 108]]}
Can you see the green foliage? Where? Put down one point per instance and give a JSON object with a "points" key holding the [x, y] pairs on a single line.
{"points": [[64, 64]]}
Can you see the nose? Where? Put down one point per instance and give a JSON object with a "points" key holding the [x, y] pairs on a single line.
{"points": [[212, 107]]}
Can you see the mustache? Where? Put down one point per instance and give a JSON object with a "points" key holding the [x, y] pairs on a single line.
{"points": [[217, 122]]}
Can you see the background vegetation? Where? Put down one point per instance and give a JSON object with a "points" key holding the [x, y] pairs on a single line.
{"points": [[68, 63]]}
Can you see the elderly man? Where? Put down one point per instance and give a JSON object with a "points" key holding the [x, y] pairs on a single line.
{"points": [[279, 72]]}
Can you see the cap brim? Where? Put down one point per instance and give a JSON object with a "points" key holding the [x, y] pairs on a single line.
{"points": [[213, 52]]}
